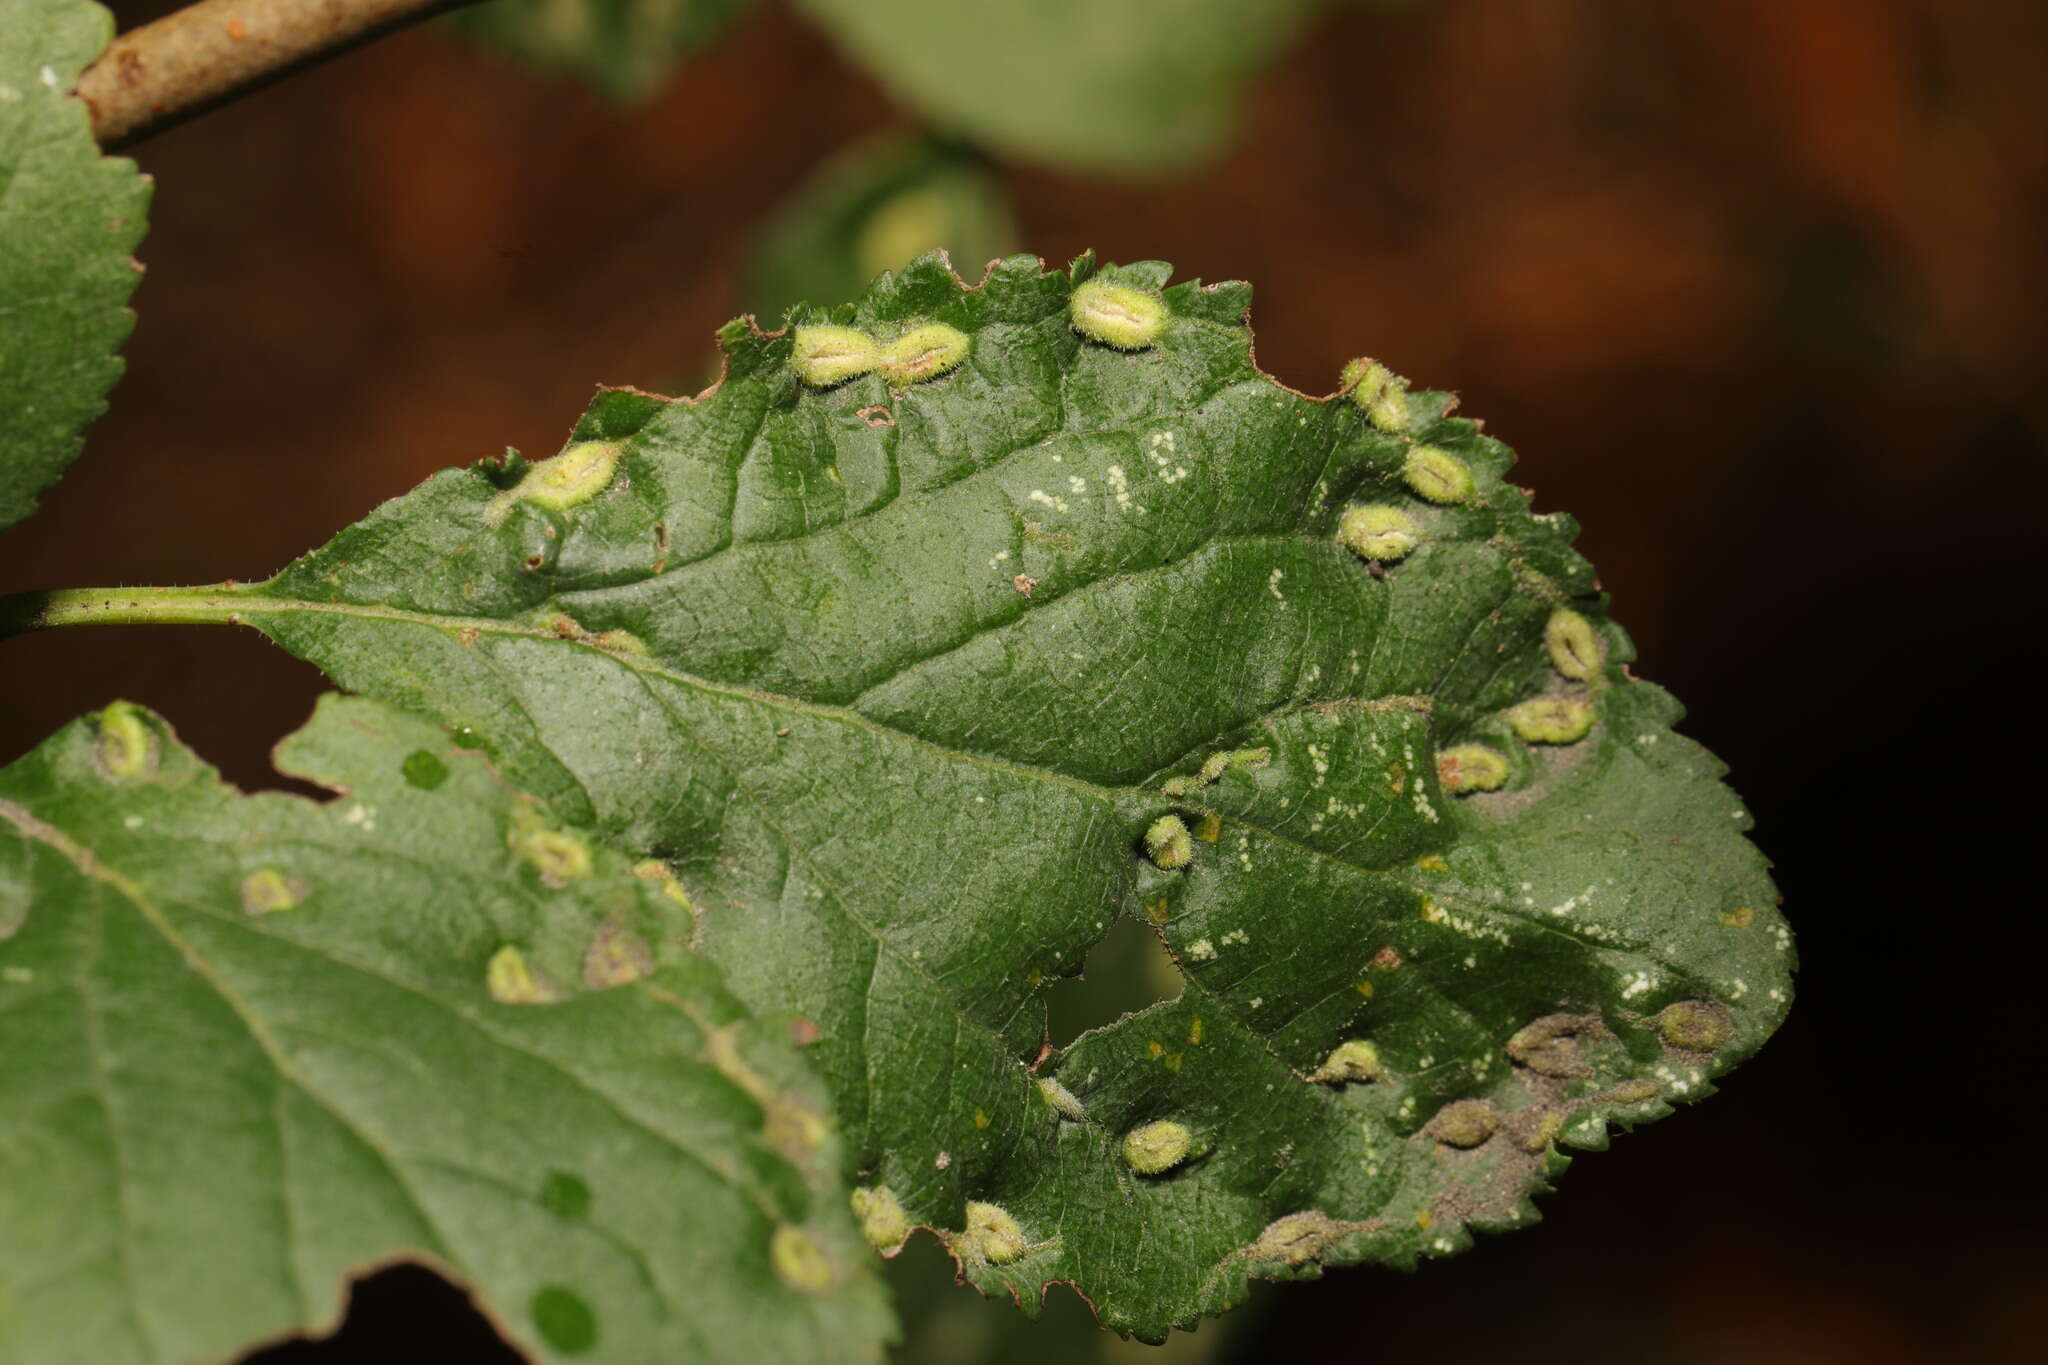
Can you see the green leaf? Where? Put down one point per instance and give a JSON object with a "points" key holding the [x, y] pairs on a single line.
{"points": [[252, 1048], [1106, 85], [69, 221], [626, 48], [907, 678], [878, 202]]}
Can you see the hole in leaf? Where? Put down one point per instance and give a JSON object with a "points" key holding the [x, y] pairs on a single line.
{"points": [[1125, 972], [405, 1315]]}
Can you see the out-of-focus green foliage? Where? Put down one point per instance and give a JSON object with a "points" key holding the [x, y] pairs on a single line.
{"points": [[1115, 86], [1148, 86], [625, 48], [877, 203]]}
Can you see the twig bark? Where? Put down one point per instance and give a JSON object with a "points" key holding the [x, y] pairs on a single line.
{"points": [[189, 61]]}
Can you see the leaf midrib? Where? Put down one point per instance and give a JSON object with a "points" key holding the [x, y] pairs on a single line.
{"points": [[1110, 794]]}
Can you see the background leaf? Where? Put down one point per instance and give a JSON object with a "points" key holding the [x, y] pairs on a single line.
{"points": [[876, 203], [69, 219], [626, 48], [1148, 86], [252, 1050], [903, 680]]}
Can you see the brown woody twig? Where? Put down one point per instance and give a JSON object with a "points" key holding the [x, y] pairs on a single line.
{"points": [[189, 61]]}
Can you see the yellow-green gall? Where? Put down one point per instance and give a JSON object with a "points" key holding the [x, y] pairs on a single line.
{"points": [[1466, 768], [1351, 1060], [1378, 531], [924, 353], [1576, 649], [793, 1127], [1157, 1147], [798, 1261], [656, 871], [991, 1235], [825, 356], [882, 1220], [560, 482], [616, 957], [1551, 720], [1379, 393], [267, 891], [559, 858], [1634, 1091], [1695, 1025], [511, 982], [1465, 1123], [1117, 315], [1062, 1100], [1550, 1047], [126, 749], [1437, 475], [1533, 1130], [1298, 1238], [1168, 843]]}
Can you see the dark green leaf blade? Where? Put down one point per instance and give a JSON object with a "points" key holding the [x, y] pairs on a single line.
{"points": [[904, 678], [69, 222], [253, 1048]]}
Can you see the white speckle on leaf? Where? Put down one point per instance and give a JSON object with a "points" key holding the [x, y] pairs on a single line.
{"points": [[1434, 913], [1565, 907], [1201, 950], [49, 75], [1273, 584], [1120, 484]]}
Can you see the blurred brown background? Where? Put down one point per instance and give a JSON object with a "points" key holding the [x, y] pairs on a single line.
{"points": [[1755, 286]]}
